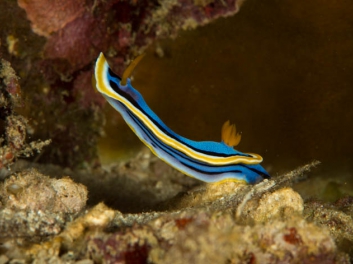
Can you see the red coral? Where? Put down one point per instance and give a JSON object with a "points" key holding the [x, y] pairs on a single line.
{"points": [[136, 254], [50, 16], [114, 249], [75, 42], [119, 27], [293, 237], [181, 223], [80, 30]]}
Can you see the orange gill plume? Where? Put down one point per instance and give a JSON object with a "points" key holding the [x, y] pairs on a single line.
{"points": [[229, 134]]}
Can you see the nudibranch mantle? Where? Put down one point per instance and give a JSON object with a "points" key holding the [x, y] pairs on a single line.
{"points": [[207, 161]]}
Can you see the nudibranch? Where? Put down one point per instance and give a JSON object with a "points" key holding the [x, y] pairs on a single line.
{"points": [[207, 161]]}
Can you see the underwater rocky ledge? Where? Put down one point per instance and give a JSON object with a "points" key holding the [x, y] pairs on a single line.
{"points": [[47, 220]]}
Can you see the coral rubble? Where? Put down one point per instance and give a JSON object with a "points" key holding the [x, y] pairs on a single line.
{"points": [[13, 144], [233, 228], [30, 190], [33, 207]]}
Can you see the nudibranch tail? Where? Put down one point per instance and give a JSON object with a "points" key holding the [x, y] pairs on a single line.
{"points": [[230, 135], [127, 73], [205, 160]]}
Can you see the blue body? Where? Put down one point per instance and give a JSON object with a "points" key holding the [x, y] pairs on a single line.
{"points": [[250, 173]]}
